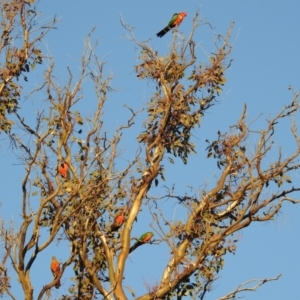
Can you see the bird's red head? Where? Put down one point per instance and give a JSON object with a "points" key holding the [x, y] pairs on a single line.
{"points": [[183, 14], [120, 219]]}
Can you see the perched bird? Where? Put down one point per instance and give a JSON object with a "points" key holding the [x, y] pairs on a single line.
{"points": [[144, 238], [64, 170], [118, 222], [175, 21], [55, 269]]}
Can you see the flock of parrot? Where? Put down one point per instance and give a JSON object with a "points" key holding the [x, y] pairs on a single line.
{"points": [[143, 239], [176, 20], [64, 172]]}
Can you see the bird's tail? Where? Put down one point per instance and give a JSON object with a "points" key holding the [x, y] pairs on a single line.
{"points": [[57, 285], [134, 246], [114, 227], [163, 32]]}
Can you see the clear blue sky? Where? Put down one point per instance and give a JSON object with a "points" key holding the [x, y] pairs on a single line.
{"points": [[266, 58]]}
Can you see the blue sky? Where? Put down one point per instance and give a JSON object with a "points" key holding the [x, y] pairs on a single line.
{"points": [[266, 61]]}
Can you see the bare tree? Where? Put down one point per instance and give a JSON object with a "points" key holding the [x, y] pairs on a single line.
{"points": [[245, 287], [89, 201]]}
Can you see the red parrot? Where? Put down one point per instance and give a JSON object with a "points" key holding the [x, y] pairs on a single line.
{"points": [[144, 238], [118, 222], [55, 269], [64, 171], [175, 21]]}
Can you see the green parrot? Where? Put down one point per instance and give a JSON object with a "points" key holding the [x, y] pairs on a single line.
{"points": [[144, 238], [177, 18]]}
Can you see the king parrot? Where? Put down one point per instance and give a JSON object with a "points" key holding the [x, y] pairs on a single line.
{"points": [[64, 171], [118, 222], [144, 238], [175, 21], [55, 269]]}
